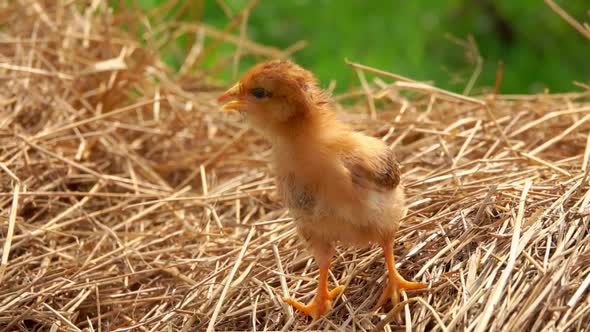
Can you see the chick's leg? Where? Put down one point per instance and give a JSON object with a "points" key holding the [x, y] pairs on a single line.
{"points": [[395, 282], [322, 302]]}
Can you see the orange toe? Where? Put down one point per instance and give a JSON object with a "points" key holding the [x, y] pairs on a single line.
{"points": [[334, 292]]}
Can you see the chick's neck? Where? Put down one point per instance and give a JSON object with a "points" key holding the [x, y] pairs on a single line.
{"points": [[308, 126], [309, 137]]}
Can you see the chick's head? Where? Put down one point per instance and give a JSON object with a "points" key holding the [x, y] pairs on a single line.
{"points": [[275, 94]]}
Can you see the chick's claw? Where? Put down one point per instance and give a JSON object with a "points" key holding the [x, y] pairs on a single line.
{"points": [[318, 306]]}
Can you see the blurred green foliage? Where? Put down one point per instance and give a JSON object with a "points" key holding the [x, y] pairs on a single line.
{"points": [[421, 39]]}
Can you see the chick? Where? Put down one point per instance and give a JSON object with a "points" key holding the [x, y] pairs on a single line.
{"points": [[339, 185]]}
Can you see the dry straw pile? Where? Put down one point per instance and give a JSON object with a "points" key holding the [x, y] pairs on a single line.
{"points": [[129, 203]]}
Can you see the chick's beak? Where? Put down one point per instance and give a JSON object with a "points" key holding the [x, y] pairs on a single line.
{"points": [[231, 98]]}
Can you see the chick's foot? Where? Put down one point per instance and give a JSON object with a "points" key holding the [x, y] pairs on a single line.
{"points": [[393, 289], [320, 304]]}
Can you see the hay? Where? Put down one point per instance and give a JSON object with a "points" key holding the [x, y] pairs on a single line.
{"points": [[129, 203]]}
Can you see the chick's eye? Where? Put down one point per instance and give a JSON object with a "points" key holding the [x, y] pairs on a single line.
{"points": [[259, 93]]}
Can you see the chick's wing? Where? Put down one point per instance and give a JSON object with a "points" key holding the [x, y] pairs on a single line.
{"points": [[378, 172]]}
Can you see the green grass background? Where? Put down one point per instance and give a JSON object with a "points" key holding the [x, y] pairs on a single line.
{"points": [[410, 37]]}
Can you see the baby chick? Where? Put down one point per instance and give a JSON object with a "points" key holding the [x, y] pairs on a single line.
{"points": [[339, 185]]}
